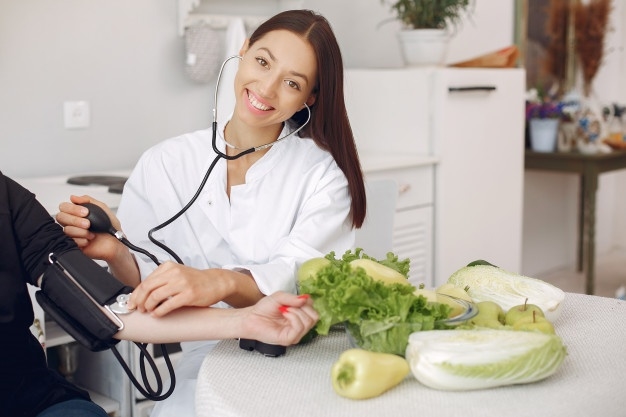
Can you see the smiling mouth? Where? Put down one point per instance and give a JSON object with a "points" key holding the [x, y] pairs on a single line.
{"points": [[256, 104]]}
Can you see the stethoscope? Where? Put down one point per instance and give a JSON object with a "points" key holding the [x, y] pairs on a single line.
{"points": [[100, 222]]}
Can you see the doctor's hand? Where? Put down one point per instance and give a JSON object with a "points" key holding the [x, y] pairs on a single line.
{"points": [[280, 319], [95, 245], [172, 286]]}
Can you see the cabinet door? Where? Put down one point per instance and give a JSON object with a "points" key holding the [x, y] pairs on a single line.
{"points": [[479, 136], [413, 223], [412, 238]]}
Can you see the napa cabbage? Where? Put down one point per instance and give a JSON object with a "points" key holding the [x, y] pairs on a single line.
{"points": [[459, 360], [486, 282]]}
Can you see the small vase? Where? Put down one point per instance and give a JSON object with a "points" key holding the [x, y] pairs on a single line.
{"points": [[590, 120], [424, 47], [543, 134], [567, 136]]}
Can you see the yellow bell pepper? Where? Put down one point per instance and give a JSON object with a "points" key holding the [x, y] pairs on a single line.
{"points": [[379, 271], [454, 291], [360, 374]]}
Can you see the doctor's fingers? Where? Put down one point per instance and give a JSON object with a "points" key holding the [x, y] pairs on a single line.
{"points": [[176, 294], [157, 288], [88, 199]]}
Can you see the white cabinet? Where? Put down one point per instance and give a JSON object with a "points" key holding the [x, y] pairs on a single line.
{"points": [[471, 121]]}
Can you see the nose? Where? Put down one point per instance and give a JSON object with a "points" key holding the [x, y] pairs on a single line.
{"points": [[268, 85]]}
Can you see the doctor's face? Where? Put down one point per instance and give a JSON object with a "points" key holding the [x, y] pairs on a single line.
{"points": [[275, 78]]}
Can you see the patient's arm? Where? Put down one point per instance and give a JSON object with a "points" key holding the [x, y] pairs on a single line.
{"points": [[280, 318]]}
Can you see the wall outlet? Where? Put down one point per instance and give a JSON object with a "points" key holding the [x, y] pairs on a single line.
{"points": [[76, 114]]}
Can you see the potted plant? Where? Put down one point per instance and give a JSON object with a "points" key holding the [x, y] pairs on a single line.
{"points": [[426, 27], [543, 115]]}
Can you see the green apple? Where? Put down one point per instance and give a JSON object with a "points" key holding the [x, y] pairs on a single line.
{"points": [[491, 309], [534, 322], [516, 313], [490, 315], [310, 268]]}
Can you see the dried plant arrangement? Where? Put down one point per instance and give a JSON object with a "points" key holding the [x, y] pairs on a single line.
{"points": [[591, 26], [556, 58]]}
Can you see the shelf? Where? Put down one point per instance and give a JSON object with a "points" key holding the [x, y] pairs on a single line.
{"points": [[226, 10]]}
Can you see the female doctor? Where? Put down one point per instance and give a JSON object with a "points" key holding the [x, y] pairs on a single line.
{"points": [[259, 216]]}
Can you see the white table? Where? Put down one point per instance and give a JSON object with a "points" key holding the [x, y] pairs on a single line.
{"points": [[591, 381]]}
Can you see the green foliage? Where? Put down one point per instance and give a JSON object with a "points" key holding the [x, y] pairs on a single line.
{"points": [[429, 14]]}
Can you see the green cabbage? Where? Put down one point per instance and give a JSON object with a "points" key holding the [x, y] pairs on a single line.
{"points": [[478, 359]]}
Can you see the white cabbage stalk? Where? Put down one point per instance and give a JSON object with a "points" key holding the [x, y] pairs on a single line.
{"points": [[458, 360], [490, 283]]}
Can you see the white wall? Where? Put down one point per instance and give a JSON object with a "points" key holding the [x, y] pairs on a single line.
{"points": [[126, 59]]}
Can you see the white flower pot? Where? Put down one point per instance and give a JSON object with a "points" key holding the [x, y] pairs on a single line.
{"points": [[543, 134], [423, 47]]}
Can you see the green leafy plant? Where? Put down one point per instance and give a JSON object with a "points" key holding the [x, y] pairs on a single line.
{"points": [[429, 14]]}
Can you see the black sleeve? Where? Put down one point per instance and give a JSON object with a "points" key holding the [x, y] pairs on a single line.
{"points": [[35, 232]]}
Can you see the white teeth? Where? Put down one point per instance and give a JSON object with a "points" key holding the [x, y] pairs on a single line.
{"points": [[256, 104]]}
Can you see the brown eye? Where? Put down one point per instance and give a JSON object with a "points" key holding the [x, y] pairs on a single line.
{"points": [[293, 84]]}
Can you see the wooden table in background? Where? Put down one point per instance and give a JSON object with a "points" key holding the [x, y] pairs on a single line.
{"points": [[588, 167]]}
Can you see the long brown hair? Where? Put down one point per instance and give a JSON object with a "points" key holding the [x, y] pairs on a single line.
{"points": [[329, 126]]}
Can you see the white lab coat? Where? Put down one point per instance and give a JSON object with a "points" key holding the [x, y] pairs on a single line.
{"points": [[293, 206]]}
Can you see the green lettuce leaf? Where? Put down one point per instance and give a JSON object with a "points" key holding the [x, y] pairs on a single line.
{"points": [[342, 294]]}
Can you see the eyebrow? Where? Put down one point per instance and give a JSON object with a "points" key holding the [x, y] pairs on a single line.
{"points": [[273, 58]]}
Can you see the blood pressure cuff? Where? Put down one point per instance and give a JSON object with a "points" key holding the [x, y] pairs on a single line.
{"points": [[73, 290]]}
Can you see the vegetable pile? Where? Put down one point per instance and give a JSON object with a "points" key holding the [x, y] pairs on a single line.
{"points": [[501, 337], [374, 309]]}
